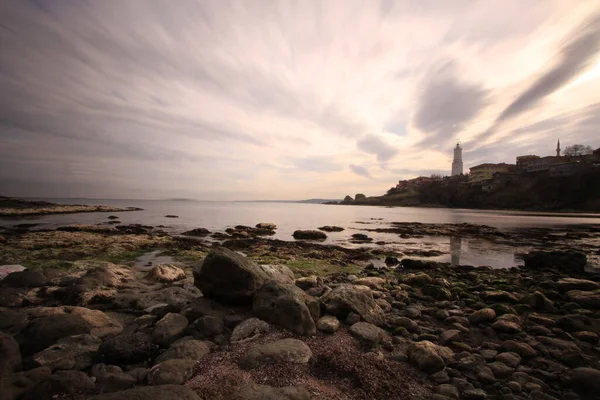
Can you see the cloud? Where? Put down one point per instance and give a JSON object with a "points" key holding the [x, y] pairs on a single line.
{"points": [[372, 144], [360, 171], [322, 164], [445, 104]]}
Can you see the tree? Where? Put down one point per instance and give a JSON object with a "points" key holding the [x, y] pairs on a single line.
{"points": [[578, 150]]}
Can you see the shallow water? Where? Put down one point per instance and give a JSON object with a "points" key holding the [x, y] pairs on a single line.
{"points": [[217, 216]]}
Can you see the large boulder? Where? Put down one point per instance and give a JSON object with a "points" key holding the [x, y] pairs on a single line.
{"points": [[186, 350], [567, 261], [429, 357], [309, 235], [26, 278], [45, 331], [165, 273], [163, 392], [346, 298], [285, 351], [249, 329], [585, 299], [10, 357], [252, 391], [73, 352], [170, 328], [287, 306], [100, 324], [587, 379], [127, 348], [232, 278]]}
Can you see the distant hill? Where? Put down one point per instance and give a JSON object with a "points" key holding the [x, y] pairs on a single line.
{"points": [[308, 201]]}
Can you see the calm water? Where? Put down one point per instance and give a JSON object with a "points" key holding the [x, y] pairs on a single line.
{"points": [[217, 216]]}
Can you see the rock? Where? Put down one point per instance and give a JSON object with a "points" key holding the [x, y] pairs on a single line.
{"points": [[308, 282], [328, 228], [197, 232], [45, 331], [171, 216], [483, 315], [163, 392], [488, 354], [449, 336], [420, 264], [100, 324], [419, 279], [567, 261], [505, 326], [367, 333], [230, 277], [165, 273], [253, 391], [361, 237], [437, 292], [568, 284], [309, 235], [328, 324], [175, 297], [290, 351], [186, 350], [499, 296], [346, 298], [173, 371], [287, 306], [372, 282], [266, 225], [585, 299], [538, 319], [207, 327], [60, 383], [202, 307], [474, 394], [587, 379], [170, 328], [10, 356], [21, 382], [586, 336], [127, 348], [514, 387], [249, 329], [500, 370], [558, 343], [27, 278], [511, 359], [74, 352], [538, 301], [522, 349], [404, 322], [115, 381], [448, 391], [428, 356]]}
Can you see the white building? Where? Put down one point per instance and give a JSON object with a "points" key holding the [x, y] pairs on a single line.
{"points": [[457, 164]]}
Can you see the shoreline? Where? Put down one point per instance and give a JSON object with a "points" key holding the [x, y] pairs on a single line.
{"points": [[11, 207]]}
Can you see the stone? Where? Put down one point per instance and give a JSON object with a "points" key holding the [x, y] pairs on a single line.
{"points": [[412, 312], [60, 383], [437, 292], [176, 298], [27, 278], [328, 324], [404, 322], [587, 379], [115, 381], [448, 391], [567, 261], [309, 235], [538, 301], [420, 264], [170, 328], [449, 336], [186, 350], [418, 279], [290, 351], [505, 326], [328, 228], [266, 225], [474, 394], [73, 352], [568, 284], [252, 391], [373, 282], [21, 382], [585, 299], [163, 392], [514, 387], [10, 356], [202, 307], [127, 348], [500, 370], [346, 298], [488, 354], [352, 319], [287, 306], [249, 329], [499, 296], [428, 356], [511, 359], [165, 273], [197, 232], [538, 319], [558, 343], [207, 327], [586, 336], [483, 315], [45, 331], [367, 333], [173, 371], [308, 282], [231, 278], [522, 349]]}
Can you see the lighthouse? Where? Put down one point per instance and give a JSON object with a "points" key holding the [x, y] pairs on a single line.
{"points": [[457, 164]]}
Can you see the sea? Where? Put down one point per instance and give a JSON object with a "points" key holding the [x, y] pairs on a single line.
{"points": [[218, 216]]}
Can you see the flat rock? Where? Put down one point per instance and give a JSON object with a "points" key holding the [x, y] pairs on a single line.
{"points": [[345, 299], [173, 371], [74, 352], [568, 284], [309, 235], [585, 299], [249, 329], [170, 328], [292, 351], [175, 297], [186, 350], [45, 331], [367, 333], [308, 282], [163, 392], [60, 383]]}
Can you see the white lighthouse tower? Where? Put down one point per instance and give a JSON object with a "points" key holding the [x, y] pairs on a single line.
{"points": [[457, 164]]}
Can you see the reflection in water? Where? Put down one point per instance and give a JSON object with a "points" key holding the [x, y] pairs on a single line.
{"points": [[455, 246]]}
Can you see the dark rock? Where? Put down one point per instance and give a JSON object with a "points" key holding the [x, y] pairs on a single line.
{"points": [[483, 315], [202, 307], [73, 352], [197, 232], [568, 284], [505, 326], [170, 328], [587, 379], [249, 329], [290, 351], [163, 392], [448, 391], [176, 298], [127, 348], [115, 381], [352, 319], [499, 296], [45, 331], [449, 336], [585, 299], [361, 237], [61, 383], [171, 216], [328, 228], [437, 292], [188, 349], [567, 261], [309, 235], [10, 357], [367, 333], [500, 370], [538, 301], [345, 298], [26, 278], [207, 327], [409, 263], [173, 371], [511, 359], [287, 306], [474, 394]]}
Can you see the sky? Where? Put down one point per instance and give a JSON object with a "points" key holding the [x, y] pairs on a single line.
{"points": [[241, 100]]}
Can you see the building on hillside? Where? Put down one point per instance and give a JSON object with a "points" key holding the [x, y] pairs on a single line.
{"points": [[457, 164], [416, 183], [485, 172], [571, 168], [524, 161]]}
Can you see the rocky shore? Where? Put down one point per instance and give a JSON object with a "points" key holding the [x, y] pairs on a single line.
{"points": [[237, 315], [13, 207]]}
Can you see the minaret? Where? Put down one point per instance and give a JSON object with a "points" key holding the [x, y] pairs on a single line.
{"points": [[558, 148], [457, 164]]}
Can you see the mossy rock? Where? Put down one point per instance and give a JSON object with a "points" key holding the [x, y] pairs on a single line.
{"points": [[461, 346], [522, 308], [502, 309]]}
